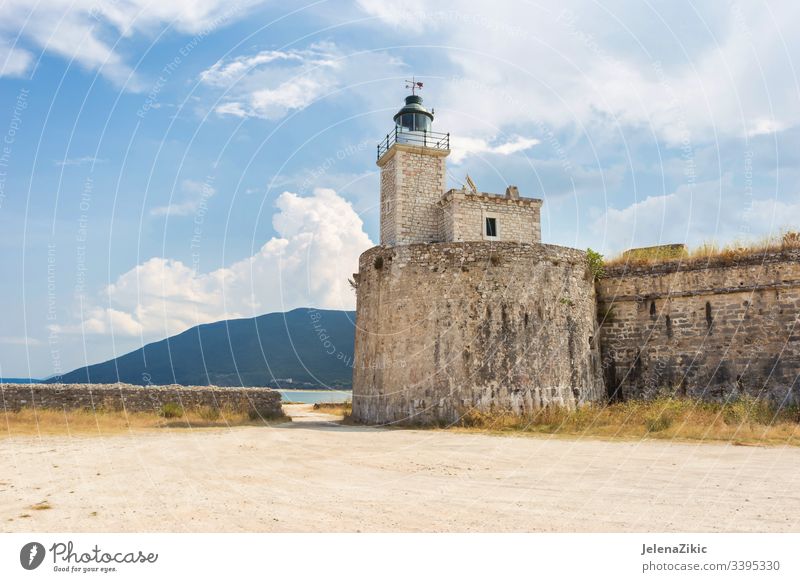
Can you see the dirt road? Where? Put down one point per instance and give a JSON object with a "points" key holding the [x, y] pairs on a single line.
{"points": [[314, 475]]}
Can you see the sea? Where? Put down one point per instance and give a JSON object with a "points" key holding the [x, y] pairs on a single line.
{"points": [[314, 396]]}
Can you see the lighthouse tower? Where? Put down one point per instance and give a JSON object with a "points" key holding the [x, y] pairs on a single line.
{"points": [[412, 163]]}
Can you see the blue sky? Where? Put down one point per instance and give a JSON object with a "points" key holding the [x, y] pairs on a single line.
{"points": [[168, 164]]}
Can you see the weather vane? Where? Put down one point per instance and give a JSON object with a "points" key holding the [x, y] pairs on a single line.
{"points": [[414, 85]]}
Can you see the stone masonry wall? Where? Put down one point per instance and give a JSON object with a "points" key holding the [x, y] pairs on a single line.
{"points": [[712, 329], [518, 219], [258, 401], [412, 183], [445, 328], [389, 202]]}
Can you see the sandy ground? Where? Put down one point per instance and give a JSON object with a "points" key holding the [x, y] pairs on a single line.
{"points": [[314, 475]]}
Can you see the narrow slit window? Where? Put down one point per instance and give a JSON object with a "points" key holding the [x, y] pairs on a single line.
{"points": [[491, 227]]}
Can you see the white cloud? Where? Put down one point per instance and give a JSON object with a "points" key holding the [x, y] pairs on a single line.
{"points": [[274, 83], [778, 215], [764, 127], [463, 146], [715, 211], [14, 62], [319, 240], [224, 73], [232, 108], [86, 30], [195, 197], [683, 69], [270, 84]]}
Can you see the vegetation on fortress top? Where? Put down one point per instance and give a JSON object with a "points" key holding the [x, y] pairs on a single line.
{"points": [[707, 251]]}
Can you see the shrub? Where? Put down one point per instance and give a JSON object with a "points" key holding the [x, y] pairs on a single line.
{"points": [[747, 409], [209, 413], [171, 410], [596, 263], [658, 422]]}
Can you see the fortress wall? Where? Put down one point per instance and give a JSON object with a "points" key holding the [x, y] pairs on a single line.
{"points": [[710, 329], [260, 401], [444, 328]]}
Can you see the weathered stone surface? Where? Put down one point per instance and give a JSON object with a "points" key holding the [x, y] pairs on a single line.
{"points": [[261, 401], [443, 328], [713, 328], [412, 183], [463, 216]]}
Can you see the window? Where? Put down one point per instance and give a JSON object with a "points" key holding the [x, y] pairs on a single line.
{"points": [[415, 122], [491, 226]]}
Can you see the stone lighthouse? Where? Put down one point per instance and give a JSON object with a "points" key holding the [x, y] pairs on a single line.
{"points": [[461, 308]]}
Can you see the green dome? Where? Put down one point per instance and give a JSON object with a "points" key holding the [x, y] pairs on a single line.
{"points": [[414, 105], [413, 116]]}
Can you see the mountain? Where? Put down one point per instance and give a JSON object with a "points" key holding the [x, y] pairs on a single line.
{"points": [[303, 348]]}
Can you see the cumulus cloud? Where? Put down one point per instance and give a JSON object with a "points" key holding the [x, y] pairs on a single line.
{"points": [[319, 239], [195, 197], [86, 30]]}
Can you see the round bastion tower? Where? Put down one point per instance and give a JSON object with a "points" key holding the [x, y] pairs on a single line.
{"points": [[462, 308]]}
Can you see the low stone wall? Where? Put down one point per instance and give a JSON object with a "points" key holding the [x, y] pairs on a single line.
{"points": [[261, 402], [711, 329]]}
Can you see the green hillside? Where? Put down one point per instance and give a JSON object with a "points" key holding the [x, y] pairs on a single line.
{"points": [[303, 348]]}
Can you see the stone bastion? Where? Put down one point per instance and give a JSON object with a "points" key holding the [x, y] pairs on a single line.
{"points": [[447, 328]]}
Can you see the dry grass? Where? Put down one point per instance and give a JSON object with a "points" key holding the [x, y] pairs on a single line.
{"points": [[41, 506], [343, 409], [746, 422], [731, 252], [28, 421]]}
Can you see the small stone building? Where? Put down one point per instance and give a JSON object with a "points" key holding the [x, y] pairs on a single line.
{"points": [[461, 308], [469, 216]]}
